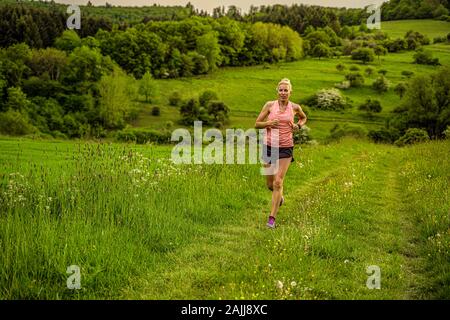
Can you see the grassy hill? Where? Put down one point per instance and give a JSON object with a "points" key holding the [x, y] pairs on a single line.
{"points": [[246, 89]]}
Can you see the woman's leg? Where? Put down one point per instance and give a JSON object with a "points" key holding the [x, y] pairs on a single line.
{"points": [[278, 185], [269, 180]]}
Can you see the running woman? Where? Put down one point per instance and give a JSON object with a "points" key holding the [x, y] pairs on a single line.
{"points": [[277, 117]]}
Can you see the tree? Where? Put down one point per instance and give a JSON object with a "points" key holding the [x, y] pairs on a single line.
{"points": [[379, 50], [381, 84], [48, 61], [363, 54], [425, 104], [208, 46], [321, 50], [68, 41], [206, 97], [400, 89], [147, 87], [114, 101], [218, 111]]}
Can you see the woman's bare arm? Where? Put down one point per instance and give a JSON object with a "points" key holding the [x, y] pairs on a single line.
{"points": [[260, 121]]}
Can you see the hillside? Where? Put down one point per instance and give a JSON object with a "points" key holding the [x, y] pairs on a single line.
{"points": [[143, 228]]}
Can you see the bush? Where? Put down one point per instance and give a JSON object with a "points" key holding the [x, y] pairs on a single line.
{"points": [[407, 73], [383, 72], [206, 97], [356, 79], [354, 68], [400, 89], [330, 99], [446, 133], [425, 57], [412, 136], [15, 123], [175, 99], [369, 71], [439, 39], [140, 136], [384, 135], [344, 85], [363, 54], [381, 84], [303, 135], [156, 111], [340, 67], [371, 106]]}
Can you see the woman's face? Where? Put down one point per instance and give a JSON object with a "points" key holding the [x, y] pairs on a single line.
{"points": [[283, 92]]}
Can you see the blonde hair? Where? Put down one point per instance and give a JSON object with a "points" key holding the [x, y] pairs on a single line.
{"points": [[285, 81]]}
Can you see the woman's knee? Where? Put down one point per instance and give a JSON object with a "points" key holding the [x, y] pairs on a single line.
{"points": [[278, 183]]}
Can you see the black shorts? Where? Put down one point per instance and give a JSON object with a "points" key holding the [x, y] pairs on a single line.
{"points": [[282, 153]]}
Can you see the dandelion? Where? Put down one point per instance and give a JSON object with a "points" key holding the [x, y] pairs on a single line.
{"points": [[293, 284]]}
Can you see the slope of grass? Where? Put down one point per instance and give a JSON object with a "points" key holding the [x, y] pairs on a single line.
{"points": [[141, 227]]}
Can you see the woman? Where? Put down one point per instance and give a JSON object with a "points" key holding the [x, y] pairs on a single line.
{"points": [[277, 117]]}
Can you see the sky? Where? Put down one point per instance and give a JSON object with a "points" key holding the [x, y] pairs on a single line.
{"points": [[244, 5]]}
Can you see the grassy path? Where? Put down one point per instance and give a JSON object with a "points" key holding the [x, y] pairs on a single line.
{"points": [[335, 224]]}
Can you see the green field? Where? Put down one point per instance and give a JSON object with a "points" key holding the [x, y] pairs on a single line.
{"points": [[246, 89], [141, 227]]}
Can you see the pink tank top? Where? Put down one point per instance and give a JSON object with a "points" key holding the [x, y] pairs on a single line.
{"points": [[284, 127]]}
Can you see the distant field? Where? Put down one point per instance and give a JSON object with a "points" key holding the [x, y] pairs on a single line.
{"points": [[246, 89], [432, 28]]}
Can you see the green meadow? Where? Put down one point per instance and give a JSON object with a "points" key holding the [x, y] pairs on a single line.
{"points": [[140, 227], [246, 89]]}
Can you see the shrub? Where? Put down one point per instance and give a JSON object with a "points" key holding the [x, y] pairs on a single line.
{"points": [[383, 72], [371, 106], [381, 84], [356, 79], [340, 67], [206, 97], [412, 136], [303, 135], [407, 73], [175, 99], [384, 135], [446, 133], [425, 57], [363, 54], [15, 123], [141, 136], [344, 85], [330, 99], [156, 111], [400, 89], [369, 71], [354, 68]]}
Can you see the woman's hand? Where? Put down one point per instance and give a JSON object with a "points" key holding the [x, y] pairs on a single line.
{"points": [[272, 123], [295, 127]]}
